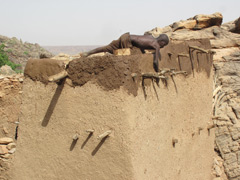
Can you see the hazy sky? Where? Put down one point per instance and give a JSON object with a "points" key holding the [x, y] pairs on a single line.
{"points": [[98, 22]]}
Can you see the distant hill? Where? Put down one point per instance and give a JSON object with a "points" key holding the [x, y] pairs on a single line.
{"points": [[19, 52], [71, 50]]}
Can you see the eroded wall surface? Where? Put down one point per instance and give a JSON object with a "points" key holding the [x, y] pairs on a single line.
{"points": [[158, 129]]}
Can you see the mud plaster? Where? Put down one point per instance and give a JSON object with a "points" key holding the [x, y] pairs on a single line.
{"points": [[140, 146], [112, 72]]}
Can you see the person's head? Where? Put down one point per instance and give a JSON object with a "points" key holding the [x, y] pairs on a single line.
{"points": [[163, 40]]}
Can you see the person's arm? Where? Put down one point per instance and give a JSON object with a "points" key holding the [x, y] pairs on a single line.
{"points": [[156, 59]]}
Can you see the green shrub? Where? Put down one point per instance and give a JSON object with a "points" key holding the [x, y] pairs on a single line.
{"points": [[4, 59], [26, 53], [9, 51]]}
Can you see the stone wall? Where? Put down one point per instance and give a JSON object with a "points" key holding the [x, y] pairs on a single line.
{"points": [[227, 113]]}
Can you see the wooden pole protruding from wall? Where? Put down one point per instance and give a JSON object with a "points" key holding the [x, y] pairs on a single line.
{"points": [[104, 135], [75, 137], [90, 130], [58, 76]]}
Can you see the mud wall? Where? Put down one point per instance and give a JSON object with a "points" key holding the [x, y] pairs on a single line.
{"points": [[158, 129]]}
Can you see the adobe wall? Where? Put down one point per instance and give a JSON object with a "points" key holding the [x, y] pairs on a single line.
{"points": [[144, 118]]}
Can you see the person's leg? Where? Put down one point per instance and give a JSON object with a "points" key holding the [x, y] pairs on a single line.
{"points": [[109, 48], [97, 50]]}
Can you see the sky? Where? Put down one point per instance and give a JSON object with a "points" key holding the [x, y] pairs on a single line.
{"points": [[98, 22]]}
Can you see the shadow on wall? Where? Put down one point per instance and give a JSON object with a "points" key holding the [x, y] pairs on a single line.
{"points": [[53, 103]]}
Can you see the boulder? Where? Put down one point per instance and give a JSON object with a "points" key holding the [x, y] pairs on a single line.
{"points": [[157, 31], [237, 25], [6, 70], [204, 21], [188, 24], [198, 22]]}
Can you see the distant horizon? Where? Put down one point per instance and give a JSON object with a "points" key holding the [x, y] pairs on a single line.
{"points": [[71, 50]]}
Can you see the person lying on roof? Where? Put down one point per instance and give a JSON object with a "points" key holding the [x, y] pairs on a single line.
{"points": [[140, 41]]}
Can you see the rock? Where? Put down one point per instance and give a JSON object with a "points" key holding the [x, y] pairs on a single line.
{"points": [[6, 70], [12, 151], [224, 52], [2, 94], [234, 173], [188, 24], [238, 156], [218, 178], [11, 146], [204, 21], [237, 25], [45, 55], [236, 28], [6, 140], [217, 170], [230, 158], [157, 31], [229, 26], [6, 156], [3, 149], [237, 111], [232, 116], [216, 161], [122, 52], [20, 80], [5, 130], [224, 43], [234, 146], [186, 34]]}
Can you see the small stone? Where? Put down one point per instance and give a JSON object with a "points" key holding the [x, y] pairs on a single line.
{"points": [[234, 146], [11, 146], [20, 79], [218, 178], [218, 171], [3, 149], [6, 140], [122, 52], [6, 156], [216, 162], [12, 151], [5, 130], [2, 94]]}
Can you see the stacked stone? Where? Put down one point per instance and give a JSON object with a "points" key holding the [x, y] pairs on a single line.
{"points": [[10, 82], [7, 147], [227, 114]]}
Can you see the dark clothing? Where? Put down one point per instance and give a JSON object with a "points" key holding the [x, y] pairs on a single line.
{"points": [[123, 42]]}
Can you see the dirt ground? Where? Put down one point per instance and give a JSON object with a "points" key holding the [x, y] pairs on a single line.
{"points": [[144, 120]]}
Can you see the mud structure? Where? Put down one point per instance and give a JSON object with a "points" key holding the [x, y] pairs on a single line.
{"points": [[105, 121]]}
